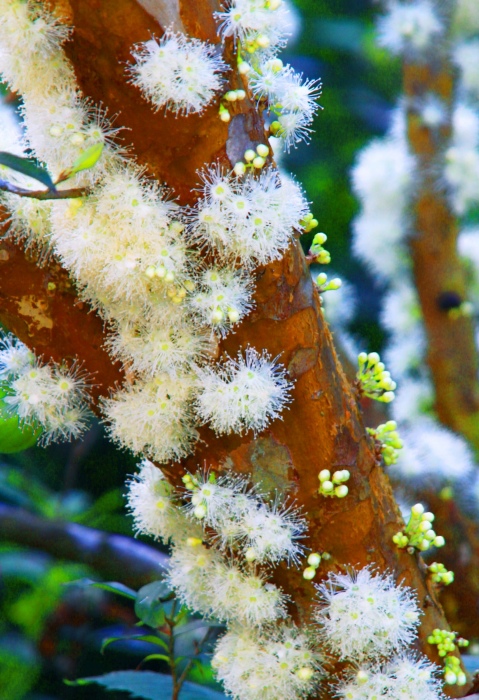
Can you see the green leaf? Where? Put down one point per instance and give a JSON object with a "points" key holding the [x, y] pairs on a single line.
{"points": [[150, 638], [149, 603], [148, 685], [111, 586], [26, 166], [85, 161]]}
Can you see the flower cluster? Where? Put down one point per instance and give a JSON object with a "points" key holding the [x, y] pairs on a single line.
{"points": [[292, 102], [241, 394], [334, 485], [363, 615], [258, 24], [127, 244], [249, 220], [440, 575], [447, 643], [410, 28], [51, 398], [403, 678], [281, 663], [222, 531], [178, 73]]}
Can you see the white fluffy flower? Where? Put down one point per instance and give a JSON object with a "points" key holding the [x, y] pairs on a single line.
{"points": [[432, 451], [242, 520], [403, 678], [152, 504], [364, 615], [466, 56], [177, 72], [15, 358], [153, 417], [165, 341], [256, 23], [242, 394], [209, 586], [292, 101], [461, 173], [379, 242], [281, 663], [49, 396], [413, 399], [383, 174], [405, 352], [409, 28], [122, 242], [223, 299], [250, 220]]}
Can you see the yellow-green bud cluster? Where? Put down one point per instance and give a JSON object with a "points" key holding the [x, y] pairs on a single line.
{"points": [[228, 98], [453, 673], [314, 560], [439, 574], [447, 643], [317, 251], [334, 485], [374, 380], [387, 435], [308, 223], [419, 533], [325, 286], [255, 160]]}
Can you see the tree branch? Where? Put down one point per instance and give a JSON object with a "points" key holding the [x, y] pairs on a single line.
{"points": [[115, 557]]}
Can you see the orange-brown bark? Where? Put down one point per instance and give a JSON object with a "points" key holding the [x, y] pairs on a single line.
{"points": [[451, 351], [323, 427]]}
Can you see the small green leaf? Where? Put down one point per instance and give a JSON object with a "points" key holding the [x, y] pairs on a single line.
{"points": [[85, 161], [26, 166], [111, 586], [149, 603]]}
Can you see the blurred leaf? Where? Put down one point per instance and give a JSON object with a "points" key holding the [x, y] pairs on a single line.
{"points": [[150, 603], [149, 638], [26, 166], [148, 685], [111, 586]]}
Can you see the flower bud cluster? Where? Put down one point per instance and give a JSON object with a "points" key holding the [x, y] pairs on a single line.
{"points": [[314, 560], [316, 252], [228, 99], [447, 643], [440, 575], [325, 286], [334, 485], [374, 381], [254, 160], [419, 533], [387, 435]]}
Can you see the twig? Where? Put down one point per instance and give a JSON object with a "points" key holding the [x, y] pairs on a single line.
{"points": [[73, 193]]}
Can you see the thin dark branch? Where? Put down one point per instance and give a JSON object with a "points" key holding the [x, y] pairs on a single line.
{"points": [[73, 193], [114, 557]]}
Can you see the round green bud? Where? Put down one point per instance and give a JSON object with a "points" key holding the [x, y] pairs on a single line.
{"points": [[341, 491], [249, 155], [258, 162], [326, 486], [309, 573], [239, 169], [314, 559], [324, 475], [417, 509], [262, 150]]}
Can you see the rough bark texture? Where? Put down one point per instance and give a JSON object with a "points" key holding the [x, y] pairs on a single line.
{"points": [[323, 427], [451, 350]]}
